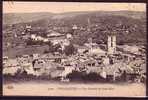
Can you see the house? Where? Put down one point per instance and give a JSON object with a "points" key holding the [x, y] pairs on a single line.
{"points": [[106, 61], [11, 67], [33, 36], [74, 27], [11, 70], [28, 28], [24, 59], [38, 64], [11, 63], [35, 56], [65, 42], [39, 38], [45, 40], [66, 71], [69, 36], [59, 40], [137, 71], [5, 59], [81, 49], [114, 71], [54, 34], [129, 49], [96, 50]]}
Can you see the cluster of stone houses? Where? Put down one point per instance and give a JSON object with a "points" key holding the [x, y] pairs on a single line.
{"points": [[89, 58]]}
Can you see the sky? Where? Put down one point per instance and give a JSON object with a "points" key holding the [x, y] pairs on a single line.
{"points": [[61, 7]]}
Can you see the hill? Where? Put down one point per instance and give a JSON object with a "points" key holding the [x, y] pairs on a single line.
{"points": [[130, 26], [14, 18]]}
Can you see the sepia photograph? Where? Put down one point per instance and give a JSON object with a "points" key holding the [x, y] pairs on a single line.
{"points": [[90, 49]]}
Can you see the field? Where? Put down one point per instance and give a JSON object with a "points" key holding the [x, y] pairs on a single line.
{"points": [[48, 88]]}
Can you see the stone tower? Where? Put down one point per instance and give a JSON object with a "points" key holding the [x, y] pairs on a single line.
{"points": [[111, 44]]}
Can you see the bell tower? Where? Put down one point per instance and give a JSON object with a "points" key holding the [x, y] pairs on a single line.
{"points": [[111, 44]]}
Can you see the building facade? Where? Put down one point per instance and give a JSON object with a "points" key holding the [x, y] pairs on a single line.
{"points": [[111, 44]]}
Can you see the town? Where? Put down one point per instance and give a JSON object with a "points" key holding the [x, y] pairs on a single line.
{"points": [[55, 54]]}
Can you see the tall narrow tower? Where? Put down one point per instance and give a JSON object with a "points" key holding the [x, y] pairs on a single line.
{"points": [[111, 44], [88, 27]]}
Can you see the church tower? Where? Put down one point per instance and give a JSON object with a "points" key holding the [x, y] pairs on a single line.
{"points": [[111, 44]]}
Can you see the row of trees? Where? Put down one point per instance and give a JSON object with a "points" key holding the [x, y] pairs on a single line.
{"points": [[68, 50]]}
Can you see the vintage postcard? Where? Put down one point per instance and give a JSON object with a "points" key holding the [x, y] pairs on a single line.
{"points": [[74, 49]]}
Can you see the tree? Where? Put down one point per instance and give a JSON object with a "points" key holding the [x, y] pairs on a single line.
{"points": [[69, 50]]}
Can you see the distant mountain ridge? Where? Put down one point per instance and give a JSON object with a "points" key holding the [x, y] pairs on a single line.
{"points": [[14, 18]]}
